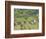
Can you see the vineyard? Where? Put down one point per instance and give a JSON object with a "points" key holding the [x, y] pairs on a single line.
{"points": [[26, 19]]}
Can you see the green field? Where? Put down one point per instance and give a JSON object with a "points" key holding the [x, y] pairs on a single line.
{"points": [[26, 19]]}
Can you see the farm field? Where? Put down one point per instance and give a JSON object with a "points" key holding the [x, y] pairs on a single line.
{"points": [[26, 19]]}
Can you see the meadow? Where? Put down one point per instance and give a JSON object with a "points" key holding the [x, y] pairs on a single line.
{"points": [[26, 19]]}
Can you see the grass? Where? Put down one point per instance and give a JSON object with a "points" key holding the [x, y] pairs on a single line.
{"points": [[22, 24]]}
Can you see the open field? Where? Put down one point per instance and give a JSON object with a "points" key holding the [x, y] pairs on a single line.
{"points": [[26, 19]]}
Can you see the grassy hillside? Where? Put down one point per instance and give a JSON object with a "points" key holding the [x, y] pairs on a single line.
{"points": [[26, 19]]}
